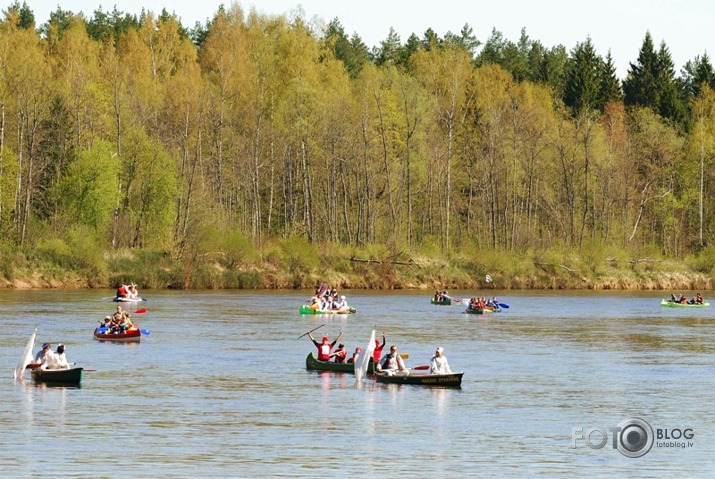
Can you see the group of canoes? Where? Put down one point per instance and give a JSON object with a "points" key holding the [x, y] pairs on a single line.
{"points": [[52, 368], [381, 369]]}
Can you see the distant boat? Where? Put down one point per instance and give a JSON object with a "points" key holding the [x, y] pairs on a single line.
{"points": [[126, 299], [442, 302], [671, 304], [308, 310]]}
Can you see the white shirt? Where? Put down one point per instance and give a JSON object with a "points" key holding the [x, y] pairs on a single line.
{"points": [[439, 365], [392, 362], [56, 361]]}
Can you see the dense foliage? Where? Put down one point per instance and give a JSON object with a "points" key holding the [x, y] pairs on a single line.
{"points": [[140, 134]]}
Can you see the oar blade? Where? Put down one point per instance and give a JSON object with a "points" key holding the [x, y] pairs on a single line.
{"points": [[140, 311]]}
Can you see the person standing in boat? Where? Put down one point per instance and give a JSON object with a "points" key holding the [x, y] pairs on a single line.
{"points": [[392, 361], [56, 360], [438, 364], [377, 354], [41, 356], [325, 348]]}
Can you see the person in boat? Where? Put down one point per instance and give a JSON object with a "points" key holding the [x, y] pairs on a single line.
{"points": [[122, 291], [56, 360], [438, 364], [41, 356], [132, 291], [325, 347], [342, 305], [392, 361], [106, 325], [377, 354], [340, 354], [698, 299], [683, 299], [355, 355], [125, 323]]}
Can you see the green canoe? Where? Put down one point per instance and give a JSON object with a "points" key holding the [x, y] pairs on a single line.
{"points": [[58, 376], [308, 310], [453, 380], [443, 302], [669, 304], [311, 362]]}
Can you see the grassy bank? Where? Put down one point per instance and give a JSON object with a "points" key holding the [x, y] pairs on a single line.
{"points": [[297, 264]]}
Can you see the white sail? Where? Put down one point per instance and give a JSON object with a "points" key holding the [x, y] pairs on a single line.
{"points": [[26, 356], [363, 359]]}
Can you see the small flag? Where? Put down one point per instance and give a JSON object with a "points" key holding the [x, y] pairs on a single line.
{"points": [[489, 279]]}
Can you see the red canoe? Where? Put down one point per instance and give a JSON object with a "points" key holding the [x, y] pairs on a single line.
{"points": [[130, 335]]}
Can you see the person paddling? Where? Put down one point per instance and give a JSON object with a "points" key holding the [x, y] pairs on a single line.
{"points": [[325, 347]]}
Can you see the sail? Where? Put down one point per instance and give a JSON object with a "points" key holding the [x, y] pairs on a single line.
{"points": [[363, 359], [26, 356]]}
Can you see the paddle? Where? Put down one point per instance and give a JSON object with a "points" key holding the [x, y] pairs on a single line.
{"points": [[405, 356], [310, 331], [140, 311], [504, 305], [421, 368], [145, 332]]}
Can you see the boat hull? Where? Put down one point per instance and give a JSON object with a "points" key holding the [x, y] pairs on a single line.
{"points": [[475, 311], [670, 304], [444, 302], [133, 335], [312, 363], [127, 300], [453, 380], [58, 376], [308, 310]]}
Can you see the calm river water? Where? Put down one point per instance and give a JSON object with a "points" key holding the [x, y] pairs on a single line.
{"points": [[219, 389]]}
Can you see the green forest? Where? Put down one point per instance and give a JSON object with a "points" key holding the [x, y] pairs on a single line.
{"points": [[261, 151]]}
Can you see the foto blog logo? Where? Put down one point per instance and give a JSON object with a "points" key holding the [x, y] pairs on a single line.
{"points": [[633, 437]]}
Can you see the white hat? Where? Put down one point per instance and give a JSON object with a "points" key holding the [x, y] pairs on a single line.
{"points": [[439, 349], [342, 297]]}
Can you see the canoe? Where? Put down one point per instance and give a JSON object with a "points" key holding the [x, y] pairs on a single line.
{"points": [[476, 311], [670, 304], [453, 380], [58, 376], [130, 335], [312, 363], [124, 299], [308, 310], [443, 302]]}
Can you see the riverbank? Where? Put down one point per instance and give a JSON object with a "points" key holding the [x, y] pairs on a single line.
{"points": [[303, 268]]}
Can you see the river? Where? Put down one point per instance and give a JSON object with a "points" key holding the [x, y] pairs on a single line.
{"points": [[219, 388]]}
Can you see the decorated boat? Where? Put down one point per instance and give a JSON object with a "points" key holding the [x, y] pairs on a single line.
{"points": [[441, 302], [672, 304], [130, 335], [312, 363], [308, 310], [452, 380], [71, 376]]}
